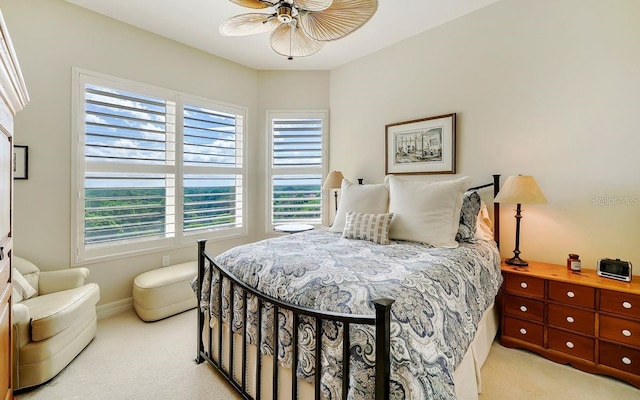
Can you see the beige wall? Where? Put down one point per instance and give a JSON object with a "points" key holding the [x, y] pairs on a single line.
{"points": [[51, 37], [541, 87]]}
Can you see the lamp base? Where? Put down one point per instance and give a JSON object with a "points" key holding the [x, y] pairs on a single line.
{"points": [[517, 261]]}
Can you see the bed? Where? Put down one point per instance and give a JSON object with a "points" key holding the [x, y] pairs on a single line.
{"points": [[397, 317]]}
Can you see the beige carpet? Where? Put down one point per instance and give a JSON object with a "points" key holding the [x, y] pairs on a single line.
{"points": [[131, 359]]}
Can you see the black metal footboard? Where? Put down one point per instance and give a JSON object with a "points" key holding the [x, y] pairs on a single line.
{"points": [[381, 321]]}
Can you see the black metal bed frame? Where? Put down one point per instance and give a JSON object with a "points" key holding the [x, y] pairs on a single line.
{"points": [[381, 321]]}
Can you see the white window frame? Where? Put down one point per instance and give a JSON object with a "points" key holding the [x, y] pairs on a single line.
{"points": [[322, 114], [79, 253]]}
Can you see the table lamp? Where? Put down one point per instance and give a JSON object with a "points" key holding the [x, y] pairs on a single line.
{"points": [[334, 181], [521, 189]]}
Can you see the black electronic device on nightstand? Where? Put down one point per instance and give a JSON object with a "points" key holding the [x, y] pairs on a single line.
{"points": [[614, 269]]}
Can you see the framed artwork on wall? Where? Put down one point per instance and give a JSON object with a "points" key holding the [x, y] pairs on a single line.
{"points": [[20, 162], [421, 146]]}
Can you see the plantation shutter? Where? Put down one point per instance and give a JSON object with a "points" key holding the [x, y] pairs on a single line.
{"points": [[296, 170], [213, 144], [129, 150]]}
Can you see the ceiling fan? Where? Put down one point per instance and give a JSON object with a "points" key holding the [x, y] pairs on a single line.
{"points": [[300, 28]]}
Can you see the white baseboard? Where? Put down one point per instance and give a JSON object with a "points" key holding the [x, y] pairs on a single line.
{"points": [[113, 308]]}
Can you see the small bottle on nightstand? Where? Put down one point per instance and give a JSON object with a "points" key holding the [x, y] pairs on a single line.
{"points": [[573, 263]]}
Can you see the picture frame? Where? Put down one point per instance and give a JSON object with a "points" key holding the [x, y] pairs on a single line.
{"points": [[20, 162], [421, 146]]}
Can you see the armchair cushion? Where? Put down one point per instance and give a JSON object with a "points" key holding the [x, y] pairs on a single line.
{"points": [[57, 311]]}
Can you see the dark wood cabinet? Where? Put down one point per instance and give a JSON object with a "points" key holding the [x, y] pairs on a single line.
{"points": [[581, 319]]}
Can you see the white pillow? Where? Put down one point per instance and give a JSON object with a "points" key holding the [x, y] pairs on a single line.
{"points": [[371, 227], [366, 199], [426, 212], [21, 285]]}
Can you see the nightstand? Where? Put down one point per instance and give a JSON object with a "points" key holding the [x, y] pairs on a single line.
{"points": [[581, 319]]}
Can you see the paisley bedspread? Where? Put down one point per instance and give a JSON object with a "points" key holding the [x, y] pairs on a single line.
{"points": [[440, 296]]}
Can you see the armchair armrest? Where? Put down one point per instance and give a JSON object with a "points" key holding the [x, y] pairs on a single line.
{"points": [[56, 281], [21, 321]]}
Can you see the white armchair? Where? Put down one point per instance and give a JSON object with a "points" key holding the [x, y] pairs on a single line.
{"points": [[54, 319]]}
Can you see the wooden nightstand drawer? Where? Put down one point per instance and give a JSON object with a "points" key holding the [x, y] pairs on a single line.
{"points": [[571, 318], [620, 330], [522, 307], [620, 357], [524, 330], [620, 303], [568, 343], [575, 295], [524, 285]]}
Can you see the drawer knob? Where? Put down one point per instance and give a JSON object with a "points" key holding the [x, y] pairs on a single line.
{"points": [[626, 360], [523, 285], [570, 345], [571, 294], [523, 331], [570, 320], [626, 332], [524, 308], [626, 305]]}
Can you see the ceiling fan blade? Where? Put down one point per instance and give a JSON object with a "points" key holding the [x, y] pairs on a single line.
{"points": [[290, 41], [249, 24], [339, 20], [313, 5], [250, 3]]}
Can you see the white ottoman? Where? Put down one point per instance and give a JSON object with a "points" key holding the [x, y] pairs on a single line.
{"points": [[165, 291]]}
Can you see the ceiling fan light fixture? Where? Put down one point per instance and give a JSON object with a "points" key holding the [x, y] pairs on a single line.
{"points": [[300, 27]]}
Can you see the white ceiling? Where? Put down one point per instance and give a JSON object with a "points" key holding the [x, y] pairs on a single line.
{"points": [[195, 23]]}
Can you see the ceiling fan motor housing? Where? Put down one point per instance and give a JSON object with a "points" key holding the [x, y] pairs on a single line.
{"points": [[285, 13]]}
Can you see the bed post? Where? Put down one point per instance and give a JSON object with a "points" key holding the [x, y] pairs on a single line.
{"points": [[383, 347], [200, 345], [496, 210]]}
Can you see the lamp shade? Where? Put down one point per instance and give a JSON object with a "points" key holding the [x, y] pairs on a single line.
{"points": [[521, 189], [333, 180]]}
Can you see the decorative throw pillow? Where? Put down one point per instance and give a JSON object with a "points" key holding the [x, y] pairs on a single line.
{"points": [[371, 227], [21, 285], [368, 199], [468, 216], [426, 212]]}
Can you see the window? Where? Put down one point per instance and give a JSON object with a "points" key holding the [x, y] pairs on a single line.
{"points": [[297, 160], [153, 168]]}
